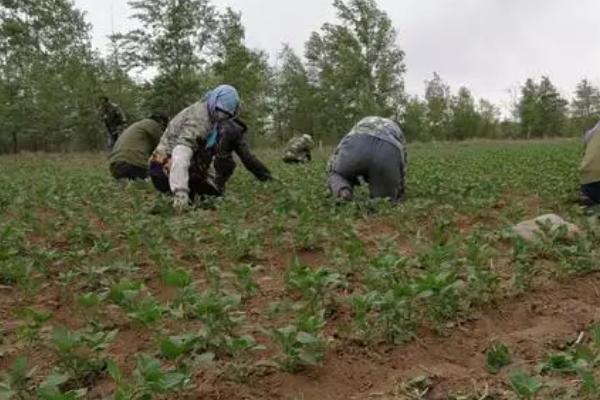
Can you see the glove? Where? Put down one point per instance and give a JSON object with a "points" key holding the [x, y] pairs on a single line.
{"points": [[181, 201]]}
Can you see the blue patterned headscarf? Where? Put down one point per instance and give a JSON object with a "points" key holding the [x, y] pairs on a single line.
{"points": [[223, 97]]}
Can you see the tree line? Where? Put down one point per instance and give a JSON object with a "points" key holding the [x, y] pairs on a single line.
{"points": [[51, 78]]}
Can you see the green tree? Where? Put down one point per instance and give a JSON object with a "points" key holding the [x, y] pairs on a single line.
{"points": [[247, 70], [489, 120], [528, 108], [541, 109], [356, 66], [173, 40], [414, 119], [465, 121], [553, 109], [47, 71], [437, 96], [585, 107], [292, 107]]}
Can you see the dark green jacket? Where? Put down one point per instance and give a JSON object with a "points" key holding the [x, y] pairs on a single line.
{"points": [[137, 142]]}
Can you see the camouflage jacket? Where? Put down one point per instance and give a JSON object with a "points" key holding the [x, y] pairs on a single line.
{"points": [[190, 128], [382, 128], [113, 117], [298, 149]]}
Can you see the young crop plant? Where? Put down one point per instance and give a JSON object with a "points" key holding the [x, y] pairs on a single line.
{"points": [[497, 357], [34, 321], [218, 312], [395, 313], [177, 278], [245, 282], [301, 343], [240, 349], [51, 388], [149, 380], [317, 287], [524, 386], [78, 352], [441, 294], [15, 381]]}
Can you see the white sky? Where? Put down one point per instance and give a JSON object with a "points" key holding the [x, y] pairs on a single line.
{"points": [[489, 46]]}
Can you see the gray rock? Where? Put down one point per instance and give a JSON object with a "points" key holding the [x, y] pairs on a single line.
{"points": [[530, 230]]}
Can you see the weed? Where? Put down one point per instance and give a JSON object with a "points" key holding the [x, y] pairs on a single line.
{"points": [[497, 357]]}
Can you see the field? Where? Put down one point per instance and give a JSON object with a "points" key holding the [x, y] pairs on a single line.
{"points": [[276, 292]]}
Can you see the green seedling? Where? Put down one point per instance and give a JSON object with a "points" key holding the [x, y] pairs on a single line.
{"points": [[300, 344], [34, 320], [240, 348], [563, 363], [245, 281], [50, 388], [148, 380], [175, 347], [147, 310], [78, 352], [177, 278], [15, 381], [316, 287], [497, 358], [525, 386]]}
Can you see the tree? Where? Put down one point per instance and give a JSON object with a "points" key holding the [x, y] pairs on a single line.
{"points": [[542, 110], [465, 121], [293, 111], [437, 96], [528, 108], [489, 120], [245, 69], [414, 119], [585, 107], [173, 40], [46, 68], [356, 66]]}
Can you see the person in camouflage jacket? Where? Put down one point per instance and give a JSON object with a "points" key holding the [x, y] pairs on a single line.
{"points": [[182, 163], [298, 150], [114, 121], [374, 150]]}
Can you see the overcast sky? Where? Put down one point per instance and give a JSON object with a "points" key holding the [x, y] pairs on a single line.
{"points": [[489, 46]]}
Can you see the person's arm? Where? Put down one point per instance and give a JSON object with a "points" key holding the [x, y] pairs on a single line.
{"points": [[250, 161]]}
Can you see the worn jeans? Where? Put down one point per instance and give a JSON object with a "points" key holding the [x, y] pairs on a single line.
{"points": [[378, 162]]}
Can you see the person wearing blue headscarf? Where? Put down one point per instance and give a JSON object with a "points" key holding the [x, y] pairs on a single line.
{"points": [[182, 162]]}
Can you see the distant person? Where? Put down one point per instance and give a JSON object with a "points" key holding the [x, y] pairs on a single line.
{"points": [[129, 156], [298, 150], [206, 130], [374, 150], [114, 121], [590, 167]]}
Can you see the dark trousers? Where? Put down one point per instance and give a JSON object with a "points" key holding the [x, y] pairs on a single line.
{"points": [[198, 186], [591, 192], [123, 170], [378, 162]]}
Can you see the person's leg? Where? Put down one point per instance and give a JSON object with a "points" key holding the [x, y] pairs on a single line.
{"points": [[385, 174], [203, 184], [123, 170], [349, 163], [591, 191], [159, 178], [340, 187]]}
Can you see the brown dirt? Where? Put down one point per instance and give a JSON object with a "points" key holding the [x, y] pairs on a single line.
{"points": [[529, 325]]}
